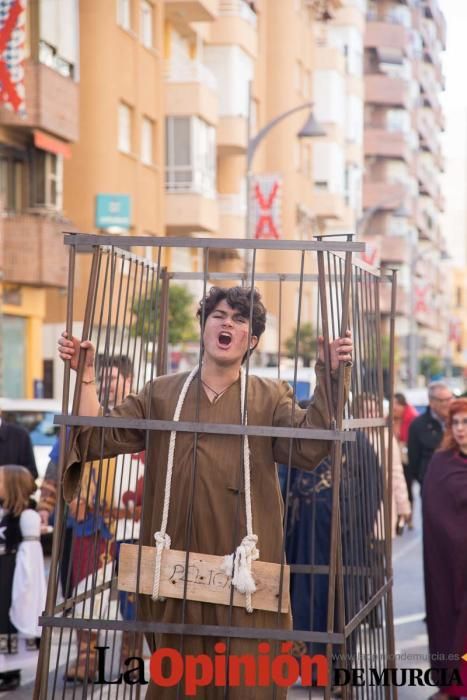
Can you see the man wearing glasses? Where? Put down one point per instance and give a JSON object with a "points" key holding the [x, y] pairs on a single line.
{"points": [[426, 431]]}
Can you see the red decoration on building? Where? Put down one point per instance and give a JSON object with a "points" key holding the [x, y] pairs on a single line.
{"points": [[266, 194], [12, 37], [421, 299]]}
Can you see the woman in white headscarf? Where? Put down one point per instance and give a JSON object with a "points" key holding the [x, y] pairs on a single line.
{"points": [[22, 577]]}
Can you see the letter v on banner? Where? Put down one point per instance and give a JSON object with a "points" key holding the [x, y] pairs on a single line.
{"points": [[266, 192]]}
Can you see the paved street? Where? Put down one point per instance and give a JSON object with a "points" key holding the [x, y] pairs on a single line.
{"points": [[409, 611]]}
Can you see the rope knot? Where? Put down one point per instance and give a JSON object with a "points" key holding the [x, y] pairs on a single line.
{"points": [[240, 569], [162, 540]]}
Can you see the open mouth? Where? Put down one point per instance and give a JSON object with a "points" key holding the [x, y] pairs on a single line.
{"points": [[224, 339]]}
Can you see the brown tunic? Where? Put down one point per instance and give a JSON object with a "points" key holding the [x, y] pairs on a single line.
{"points": [[218, 511]]}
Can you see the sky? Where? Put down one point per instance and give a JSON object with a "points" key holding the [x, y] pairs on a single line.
{"points": [[455, 138]]}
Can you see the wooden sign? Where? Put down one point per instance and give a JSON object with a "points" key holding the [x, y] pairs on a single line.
{"points": [[206, 582]]}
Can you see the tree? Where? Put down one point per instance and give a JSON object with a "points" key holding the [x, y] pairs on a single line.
{"points": [[306, 344], [430, 366], [181, 325]]}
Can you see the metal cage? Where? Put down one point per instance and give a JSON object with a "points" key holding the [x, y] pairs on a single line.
{"points": [[336, 532]]}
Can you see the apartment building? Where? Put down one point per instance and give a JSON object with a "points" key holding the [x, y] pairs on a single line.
{"points": [[171, 91], [402, 197], [338, 93], [38, 125], [230, 76], [114, 181]]}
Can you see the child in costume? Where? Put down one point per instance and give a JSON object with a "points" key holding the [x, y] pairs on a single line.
{"points": [[22, 577]]}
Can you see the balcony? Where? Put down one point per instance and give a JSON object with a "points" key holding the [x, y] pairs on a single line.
{"points": [[187, 11], [425, 222], [232, 138], [236, 24], [384, 196], [33, 250], [384, 90], [51, 103], [428, 182], [381, 34], [191, 90], [386, 144], [427, 133], [232, 213], [328, 205], [395, 249], [432, 11], [190, 201]]}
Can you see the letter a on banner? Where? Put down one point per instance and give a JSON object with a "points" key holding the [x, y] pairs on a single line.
{"points": [[266, 192], [12, 39]]}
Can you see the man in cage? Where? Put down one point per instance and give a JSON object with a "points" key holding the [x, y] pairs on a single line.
{"points": [[209, 513]]}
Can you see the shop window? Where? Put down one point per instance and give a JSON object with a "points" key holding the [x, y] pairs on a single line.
{"points": [[14, 356]]}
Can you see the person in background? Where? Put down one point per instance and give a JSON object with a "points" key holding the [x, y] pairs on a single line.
{"points": [[16, 447], [91, 517], [366, 406], [404, 414], [22, 576], [426, 431], [445, 550]]}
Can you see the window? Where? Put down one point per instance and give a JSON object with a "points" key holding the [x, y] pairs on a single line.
{"points": [[329, 94], [328, 167], [190, 156], [47, 180], [12, 185], [146, 22], [124, 128], [233, 69], [124, 13], [147, 132], [59, 36]]}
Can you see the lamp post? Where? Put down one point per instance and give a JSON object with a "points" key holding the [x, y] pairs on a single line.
{"points": [[362, 223], [310, 129]]}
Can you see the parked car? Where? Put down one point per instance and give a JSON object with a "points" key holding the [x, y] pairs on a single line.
{"points": [[306, 379], [36, 415]]}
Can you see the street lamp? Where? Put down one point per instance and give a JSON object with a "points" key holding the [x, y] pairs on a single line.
{"points": [[400, 212], [310, 129]]}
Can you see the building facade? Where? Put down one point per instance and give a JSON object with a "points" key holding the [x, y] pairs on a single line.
{"points": [[38, 124], [114, 181], [139, 114], [402, 196]]}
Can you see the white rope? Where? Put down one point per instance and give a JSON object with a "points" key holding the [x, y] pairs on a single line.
{"points": [[161, 537], [237, 565]]}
